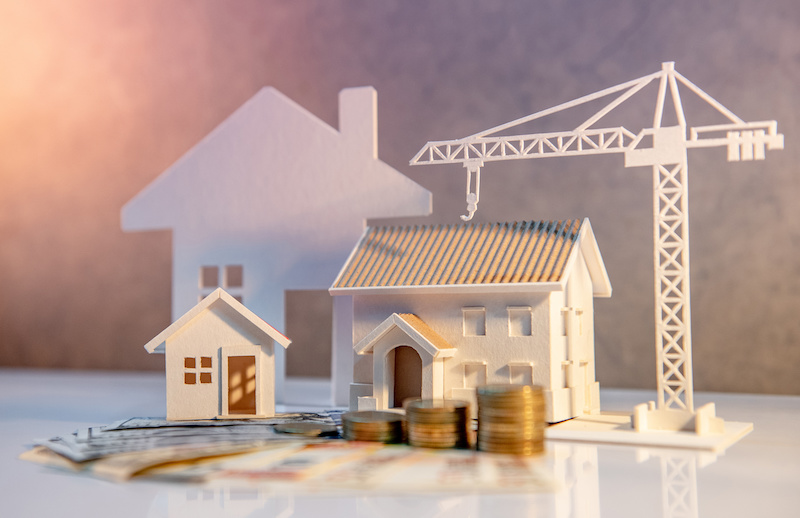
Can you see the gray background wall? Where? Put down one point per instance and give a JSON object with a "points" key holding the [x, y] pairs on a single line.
{"points": [[98, 98]]}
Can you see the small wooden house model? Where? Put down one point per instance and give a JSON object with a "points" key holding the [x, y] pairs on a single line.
{"points": [[220, 361], [436, 311]]}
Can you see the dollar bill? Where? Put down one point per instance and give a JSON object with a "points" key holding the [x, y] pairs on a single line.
{"points": [[144, 434], [324, 416]]}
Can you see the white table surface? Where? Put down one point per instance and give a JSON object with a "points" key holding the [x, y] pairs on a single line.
{"points": [[758, 477]]}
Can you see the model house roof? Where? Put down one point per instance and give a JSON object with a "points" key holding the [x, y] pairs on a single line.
{"points": [[489, 254], [214, 301]]}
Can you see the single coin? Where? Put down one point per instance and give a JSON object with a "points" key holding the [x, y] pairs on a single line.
{"points": [[307, 429]]}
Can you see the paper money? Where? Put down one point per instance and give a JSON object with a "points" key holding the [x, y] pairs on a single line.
{"points": [[369, 466], [102, 444], [127, 465], [144, 434], [47, 457], [252, 452], [325, 416]]}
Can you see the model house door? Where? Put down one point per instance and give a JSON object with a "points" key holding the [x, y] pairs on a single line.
{"points": [[242, 384], [407, 375]]}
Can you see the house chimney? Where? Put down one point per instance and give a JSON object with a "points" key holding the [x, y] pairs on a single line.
{"points": [[358, 118]]}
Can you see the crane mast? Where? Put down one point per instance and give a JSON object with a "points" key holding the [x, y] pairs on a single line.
{"points": [[664, 149]]}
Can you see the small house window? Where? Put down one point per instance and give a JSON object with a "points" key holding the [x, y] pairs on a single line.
{"points": [[191, 374], [519, 321], [474, 321]]}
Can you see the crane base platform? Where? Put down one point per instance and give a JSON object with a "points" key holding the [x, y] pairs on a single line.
{"points": [[616, 428]]}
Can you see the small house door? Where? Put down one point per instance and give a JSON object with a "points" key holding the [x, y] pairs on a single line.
{"points": [[242, 385]]}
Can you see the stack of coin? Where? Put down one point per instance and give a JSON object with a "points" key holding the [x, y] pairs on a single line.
{"points": [[511, 419], [372, 425], [436, 423]]}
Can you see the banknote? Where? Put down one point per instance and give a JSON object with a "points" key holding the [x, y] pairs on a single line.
{"points": [[47, 457], [124, 466], [282, 462], [343, 466], [144, 434], [323, 416], [252, 452], [400, 468], [332, 466], [104, 445]]}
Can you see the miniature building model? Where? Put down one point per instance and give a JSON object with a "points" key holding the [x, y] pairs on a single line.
{"points": [[439, 310], [272, 200], [220, 361]]}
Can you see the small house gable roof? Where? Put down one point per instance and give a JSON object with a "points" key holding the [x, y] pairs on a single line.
{"points": [[219, 296], [415, 328], [496, 255]]}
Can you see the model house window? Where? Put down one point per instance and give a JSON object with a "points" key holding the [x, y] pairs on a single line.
{"points": [[474, 374], [234, 276], [572, 321], [209, 277], [229, 277], [520, 373], [474, 321], [519, 321], [195, 371]]}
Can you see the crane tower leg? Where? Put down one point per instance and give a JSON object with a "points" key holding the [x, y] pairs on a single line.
{"points": [[675, 404], [673, 312], [675, 409]]}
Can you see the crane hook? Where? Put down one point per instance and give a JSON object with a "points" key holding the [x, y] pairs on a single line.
{"points": [[472, 206], [472, 196]]}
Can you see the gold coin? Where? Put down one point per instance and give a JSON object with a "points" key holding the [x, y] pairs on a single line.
{"points": [[307, 429]]}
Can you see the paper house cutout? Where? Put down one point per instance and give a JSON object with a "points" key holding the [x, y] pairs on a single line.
{"points": [[457, 306], [273, 199], [220, 361]]}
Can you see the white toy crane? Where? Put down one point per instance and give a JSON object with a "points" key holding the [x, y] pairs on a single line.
{"points": [[663, 148]]}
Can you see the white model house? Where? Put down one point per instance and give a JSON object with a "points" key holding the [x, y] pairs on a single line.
{"points": [[220, 361], [272, 200], [436, 311]]}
